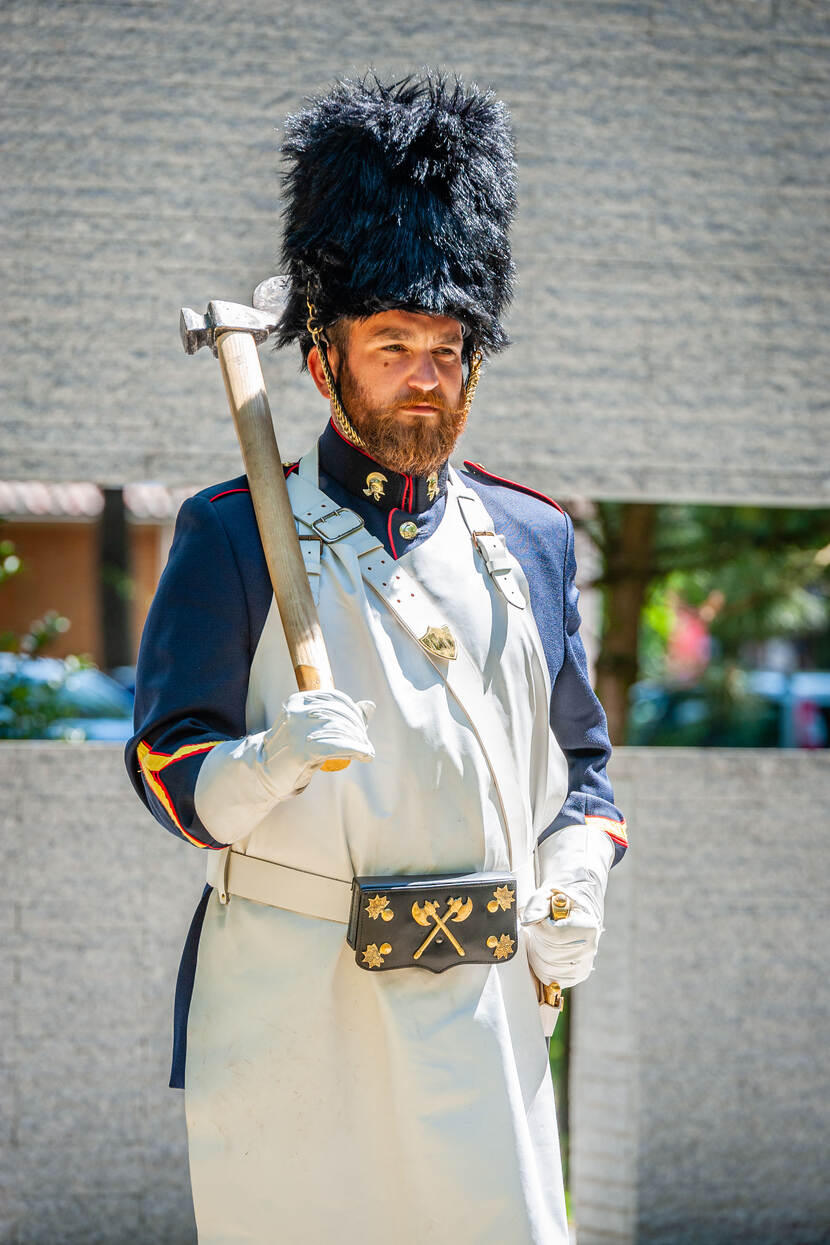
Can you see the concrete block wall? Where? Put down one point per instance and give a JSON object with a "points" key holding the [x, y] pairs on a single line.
{"points": [[700, 1071], [671, 317], [97, 904], [700, 1088]]}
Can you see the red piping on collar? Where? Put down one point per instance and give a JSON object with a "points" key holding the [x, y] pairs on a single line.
{"points": [[351, 445], [523, 488], [391, 537]]}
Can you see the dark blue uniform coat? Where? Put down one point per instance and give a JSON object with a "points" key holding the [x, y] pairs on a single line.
{"points": [[205, 622]]}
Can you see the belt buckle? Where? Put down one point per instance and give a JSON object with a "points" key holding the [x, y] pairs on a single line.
{"points": [[332, 514]]}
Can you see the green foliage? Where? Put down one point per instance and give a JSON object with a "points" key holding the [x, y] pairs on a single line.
{"points": [[764, 571], [119, 581], [10, 564], [656, 623], [41, 632], [28, 707], [771, 567], [558, 1055]]}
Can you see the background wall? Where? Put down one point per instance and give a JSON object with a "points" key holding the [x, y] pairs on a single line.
{"points": [[670, 332], [700, 1084], [700, 1091], [92, 1148], [672, 311]]}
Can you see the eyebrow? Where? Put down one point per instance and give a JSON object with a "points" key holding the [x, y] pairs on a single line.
{"points": [[405, 334]]}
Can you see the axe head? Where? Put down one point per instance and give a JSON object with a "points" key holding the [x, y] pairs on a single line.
{"points": [[197, 330], [422, 914]]}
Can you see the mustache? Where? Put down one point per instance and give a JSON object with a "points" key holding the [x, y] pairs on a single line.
{"points": [[425, 399]]}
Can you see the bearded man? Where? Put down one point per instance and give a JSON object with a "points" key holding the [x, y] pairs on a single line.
{"points": [[328, 1097]]}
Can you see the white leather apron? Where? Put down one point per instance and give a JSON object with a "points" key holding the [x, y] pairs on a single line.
{"points": [[325, 1102]]}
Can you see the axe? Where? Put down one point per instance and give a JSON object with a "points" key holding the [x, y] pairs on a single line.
{"points": [[233, 332]]}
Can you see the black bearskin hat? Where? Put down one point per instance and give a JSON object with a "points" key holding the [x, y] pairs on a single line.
{"points": [[399, 195]]}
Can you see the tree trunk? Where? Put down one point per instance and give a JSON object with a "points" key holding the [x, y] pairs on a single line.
{"points": [[629, 568]]}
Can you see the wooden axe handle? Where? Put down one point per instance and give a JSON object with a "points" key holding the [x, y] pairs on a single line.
{"points": [[245, 387]]}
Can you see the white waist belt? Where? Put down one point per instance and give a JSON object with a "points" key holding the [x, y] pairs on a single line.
{"points": [[310, 894], [280, 886]]}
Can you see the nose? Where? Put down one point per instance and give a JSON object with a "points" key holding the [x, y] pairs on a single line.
{"points": [[424, 374]]}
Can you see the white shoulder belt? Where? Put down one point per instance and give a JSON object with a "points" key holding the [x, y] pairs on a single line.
{"points": [[321, 522], [402, 594]]}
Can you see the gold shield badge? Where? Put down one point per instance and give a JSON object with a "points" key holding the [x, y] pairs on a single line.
{"points": [[375, 481], [440, 641]]}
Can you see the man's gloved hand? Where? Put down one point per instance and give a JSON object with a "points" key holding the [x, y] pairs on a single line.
{"points": [[242, 779], [574, 861], [314, 727], [563, 950]]}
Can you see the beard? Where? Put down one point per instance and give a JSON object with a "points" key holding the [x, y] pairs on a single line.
{"points": [[408, 444]]}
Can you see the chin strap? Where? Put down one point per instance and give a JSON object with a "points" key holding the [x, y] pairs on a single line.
{"points": [[476, 360], [343, 421]]}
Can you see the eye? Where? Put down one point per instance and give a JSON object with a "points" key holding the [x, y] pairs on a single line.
{"points": [[394, 347]]}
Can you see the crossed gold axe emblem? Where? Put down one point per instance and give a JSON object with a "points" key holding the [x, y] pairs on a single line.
{"points": [[457, 910]]}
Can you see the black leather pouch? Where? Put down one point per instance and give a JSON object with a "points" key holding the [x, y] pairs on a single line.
{"points": [[433, 922]]}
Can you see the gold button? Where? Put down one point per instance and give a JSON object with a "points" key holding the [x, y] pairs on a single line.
{"points": [[408, 530]]}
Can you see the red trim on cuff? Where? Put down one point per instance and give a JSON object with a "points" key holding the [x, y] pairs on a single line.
{"points": [[152, 763], [621, 838]]}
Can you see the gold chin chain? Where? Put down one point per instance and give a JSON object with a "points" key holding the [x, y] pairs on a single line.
{"points": [[343, 421], [476, 359]]}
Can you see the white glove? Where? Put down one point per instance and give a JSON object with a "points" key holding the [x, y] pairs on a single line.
{"points": [[242, 779], [574, 860], [314, 727]]}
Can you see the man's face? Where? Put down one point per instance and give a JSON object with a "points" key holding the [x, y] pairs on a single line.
{"points": [[401, 380]]}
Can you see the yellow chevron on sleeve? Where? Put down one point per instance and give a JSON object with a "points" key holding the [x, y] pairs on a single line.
{"points": [[152, 763], [157, 761]]}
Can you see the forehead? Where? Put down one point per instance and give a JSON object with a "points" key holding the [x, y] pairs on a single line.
{"points": [[406, 325]]}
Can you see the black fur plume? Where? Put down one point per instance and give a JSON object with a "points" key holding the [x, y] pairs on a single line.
{"points": [[400, 195]]}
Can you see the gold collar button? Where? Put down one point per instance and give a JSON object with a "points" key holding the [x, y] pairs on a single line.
{"points": [[408, 530]]}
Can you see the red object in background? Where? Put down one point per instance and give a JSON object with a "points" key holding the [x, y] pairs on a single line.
{"points": [[810, 726], [690, 646]]}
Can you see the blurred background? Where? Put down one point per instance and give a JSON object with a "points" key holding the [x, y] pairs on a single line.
{"points": [[667, 383]]}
